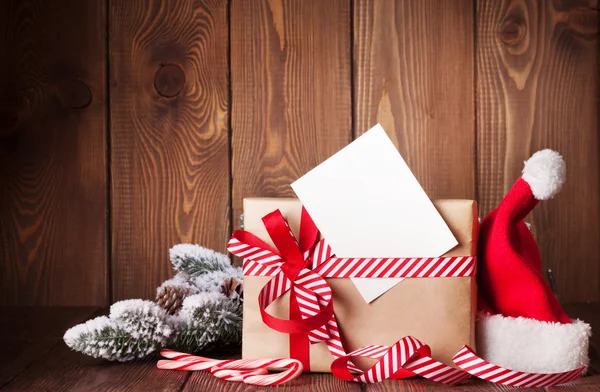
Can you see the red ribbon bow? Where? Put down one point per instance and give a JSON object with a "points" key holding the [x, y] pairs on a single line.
{"points": [[308, 322]]}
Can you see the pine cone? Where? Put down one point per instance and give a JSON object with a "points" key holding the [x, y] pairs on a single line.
{"points": [[170, 298], [232, 287]]}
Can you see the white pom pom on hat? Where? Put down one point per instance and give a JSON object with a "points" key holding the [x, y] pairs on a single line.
{"points": [[545, 173]]}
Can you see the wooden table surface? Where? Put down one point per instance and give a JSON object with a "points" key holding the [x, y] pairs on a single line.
{"points": [[34, 358]]}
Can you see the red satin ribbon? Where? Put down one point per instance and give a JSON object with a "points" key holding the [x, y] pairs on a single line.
{"points": [[288, 247], [299, 343], [299, 325]]}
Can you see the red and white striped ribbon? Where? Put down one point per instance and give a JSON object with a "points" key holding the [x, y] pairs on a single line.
{"points": [[266, 263], [313, 294], [468, 361], [257, 261], [407, 354], [310, 304], [249, 371]]}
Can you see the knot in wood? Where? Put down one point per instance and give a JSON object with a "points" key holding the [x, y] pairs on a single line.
{"points": [[74, 94], [169, 80], [512, 31]]}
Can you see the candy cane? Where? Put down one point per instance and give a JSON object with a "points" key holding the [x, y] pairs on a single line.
{"points": [[249, 371]]}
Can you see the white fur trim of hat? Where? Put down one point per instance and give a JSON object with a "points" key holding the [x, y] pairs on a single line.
{"points": [[529, 345]]}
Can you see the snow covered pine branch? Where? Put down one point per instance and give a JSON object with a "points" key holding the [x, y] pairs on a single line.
{"points": [[200, 308]]}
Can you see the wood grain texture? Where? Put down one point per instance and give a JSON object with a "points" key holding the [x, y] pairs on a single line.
{"points": [[537, 87], [169, 120], [52, 153], [64, 370], [414, 74], [584, 384], [204, 381], [26, 334], [291, 91]]}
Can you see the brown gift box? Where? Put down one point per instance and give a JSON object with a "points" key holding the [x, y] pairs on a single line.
{"points": [[438, 311]]}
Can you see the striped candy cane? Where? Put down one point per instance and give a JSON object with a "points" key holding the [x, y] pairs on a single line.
{"points": [[249, 371]]}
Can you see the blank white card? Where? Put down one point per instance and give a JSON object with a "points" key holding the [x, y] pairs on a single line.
{"points": [[367, 203]]}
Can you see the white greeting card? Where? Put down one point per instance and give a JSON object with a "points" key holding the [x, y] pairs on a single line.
{"points": [[367, 203]]}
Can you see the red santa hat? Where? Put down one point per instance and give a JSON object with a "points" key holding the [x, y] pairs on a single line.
{"points": [[521, 325]]}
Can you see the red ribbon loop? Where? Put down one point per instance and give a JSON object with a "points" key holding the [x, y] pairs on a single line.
{"points": [[284, 240], [292, 258], [302, 325]]}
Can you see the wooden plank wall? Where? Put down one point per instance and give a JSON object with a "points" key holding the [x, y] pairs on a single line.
{"points": [[425, 104], [169, 135], [127, 127], [53, 184], [291, 102]]}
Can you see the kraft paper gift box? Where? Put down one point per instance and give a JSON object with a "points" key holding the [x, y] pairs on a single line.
{"points": [[438, 311]]}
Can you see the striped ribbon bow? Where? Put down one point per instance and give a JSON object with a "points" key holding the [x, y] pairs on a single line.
{"points": [[311, 304]]}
